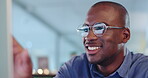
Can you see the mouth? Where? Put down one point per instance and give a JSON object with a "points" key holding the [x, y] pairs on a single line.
{"points": [[92, 50]]}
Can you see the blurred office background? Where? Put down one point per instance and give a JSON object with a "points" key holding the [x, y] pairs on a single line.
{"points": [[47, 28]]}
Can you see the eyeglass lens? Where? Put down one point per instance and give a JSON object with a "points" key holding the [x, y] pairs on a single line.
{"points": [[98, 29]]}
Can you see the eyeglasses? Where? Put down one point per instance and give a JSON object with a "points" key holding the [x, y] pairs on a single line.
{"points": [[99, 29]]}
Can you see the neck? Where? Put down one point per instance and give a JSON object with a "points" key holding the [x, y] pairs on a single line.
{"points": [[112, 66]]}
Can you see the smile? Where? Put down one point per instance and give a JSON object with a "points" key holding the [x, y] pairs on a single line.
{"points": [[93, 48]]}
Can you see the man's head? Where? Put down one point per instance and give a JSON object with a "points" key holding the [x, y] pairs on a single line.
{"points": [[109, 46]]}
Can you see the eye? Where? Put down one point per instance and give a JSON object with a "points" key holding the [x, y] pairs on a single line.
{"points": [[99, 28], [85, 30]]}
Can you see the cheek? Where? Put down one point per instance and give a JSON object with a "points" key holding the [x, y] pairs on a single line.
{"points": [[110, 42], [109, 48], [112, 37]]}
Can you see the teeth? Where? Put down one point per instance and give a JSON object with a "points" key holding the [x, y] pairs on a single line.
{"points": [[93, 48]]}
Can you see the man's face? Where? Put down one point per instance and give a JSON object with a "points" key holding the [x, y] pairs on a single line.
{"points": [[102, 49]]}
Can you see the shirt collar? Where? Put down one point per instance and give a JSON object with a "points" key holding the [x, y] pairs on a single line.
{"points": [[123, 69]]}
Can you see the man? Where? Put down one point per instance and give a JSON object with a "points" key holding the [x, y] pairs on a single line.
{"points": [[22, 61], [105, 32]]}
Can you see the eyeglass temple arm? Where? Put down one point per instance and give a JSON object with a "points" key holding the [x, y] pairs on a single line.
{"points": [[79, 29], [116, 27]]}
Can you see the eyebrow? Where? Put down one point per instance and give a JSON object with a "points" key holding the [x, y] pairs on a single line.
{"points": [[94, 24], [85, 24], [105, 23]]}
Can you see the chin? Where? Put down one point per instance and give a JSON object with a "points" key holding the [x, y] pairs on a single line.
{"points": [[94, 60]]}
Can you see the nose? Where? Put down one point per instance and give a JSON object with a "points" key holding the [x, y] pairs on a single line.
{"points": [[91, 36]]}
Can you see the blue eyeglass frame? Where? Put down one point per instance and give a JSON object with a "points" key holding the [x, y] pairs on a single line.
{"points": [[84, 34]]}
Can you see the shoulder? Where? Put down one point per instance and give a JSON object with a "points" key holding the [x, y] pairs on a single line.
{"points": [[139, 64], [72, 66], [139, 58], [77, 60]]}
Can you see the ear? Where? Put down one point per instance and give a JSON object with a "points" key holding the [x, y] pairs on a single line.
{"points": [[125, 35]]}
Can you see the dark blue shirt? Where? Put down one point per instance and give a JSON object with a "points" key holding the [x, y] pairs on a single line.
{"points": [[133, 66]]}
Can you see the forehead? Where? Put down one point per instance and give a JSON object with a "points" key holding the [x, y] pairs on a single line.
{"points": [[102, 13]]}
